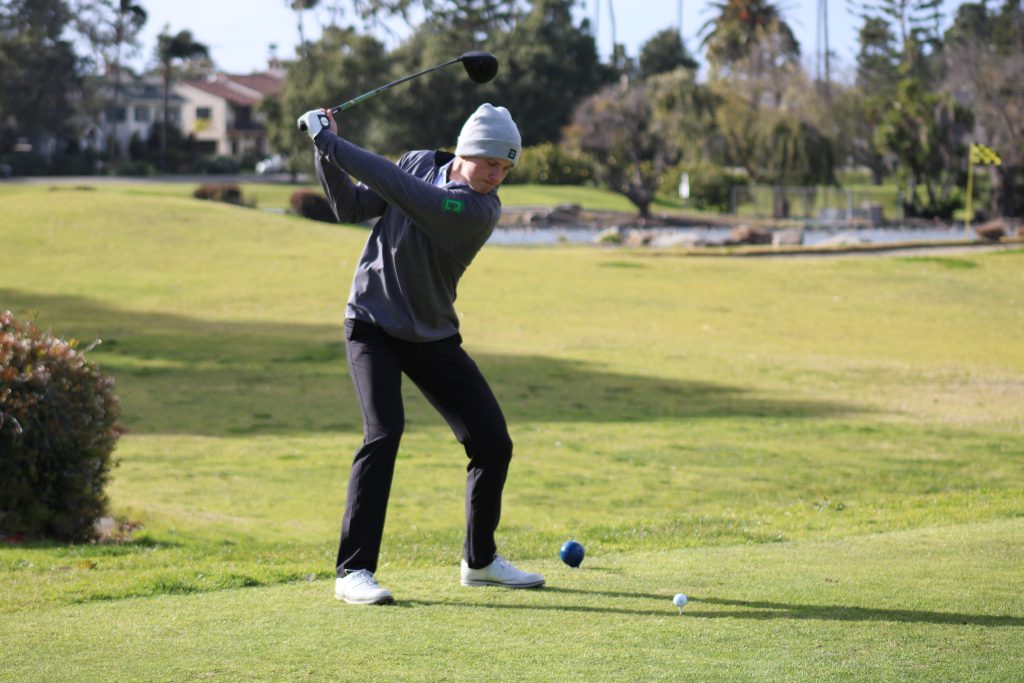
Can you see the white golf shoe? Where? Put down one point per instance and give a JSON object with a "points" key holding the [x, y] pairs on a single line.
{"points": [[499, 573], [360, 588]]}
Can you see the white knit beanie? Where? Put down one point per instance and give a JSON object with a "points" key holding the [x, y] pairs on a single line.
{"points": [[490, 132]]}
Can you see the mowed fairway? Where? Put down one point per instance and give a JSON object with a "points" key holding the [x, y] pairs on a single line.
{"points": [[825, 455]]}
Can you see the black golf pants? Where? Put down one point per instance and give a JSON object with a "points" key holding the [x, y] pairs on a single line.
{"points": [[453, 384]]}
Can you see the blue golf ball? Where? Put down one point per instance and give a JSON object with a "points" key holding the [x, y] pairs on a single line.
{"points": [[572, 553]]}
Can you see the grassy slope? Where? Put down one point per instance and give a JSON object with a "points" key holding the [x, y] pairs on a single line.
{"points": [[675, 415], [934, 604], [276, 195]]}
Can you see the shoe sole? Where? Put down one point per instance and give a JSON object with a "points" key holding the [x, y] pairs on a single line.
{"points": [[480, 582], [387, 600]]}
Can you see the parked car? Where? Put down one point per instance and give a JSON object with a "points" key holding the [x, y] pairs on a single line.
{"points": [[272, 164]]}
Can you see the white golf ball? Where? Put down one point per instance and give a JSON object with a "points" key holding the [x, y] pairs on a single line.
{"points": [[679, 600]]}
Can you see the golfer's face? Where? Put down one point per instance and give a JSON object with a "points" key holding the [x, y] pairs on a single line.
{"points": [[483, 174]]}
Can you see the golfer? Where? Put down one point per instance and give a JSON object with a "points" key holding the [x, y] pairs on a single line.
{"points": [[434, 212]]}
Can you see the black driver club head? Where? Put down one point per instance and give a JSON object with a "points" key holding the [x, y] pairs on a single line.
{"points": [[480, 66]]}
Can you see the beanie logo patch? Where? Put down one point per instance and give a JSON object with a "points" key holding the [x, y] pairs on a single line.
{"points": [[452, 206], [512, 153]]}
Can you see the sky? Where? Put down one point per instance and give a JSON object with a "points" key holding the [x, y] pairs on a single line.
{"points": [[239, 32]]}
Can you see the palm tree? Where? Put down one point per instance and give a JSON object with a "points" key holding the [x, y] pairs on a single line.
{"points": [[128, 21], [740, 26], [170, 48], [112, 27], [300, 6]]}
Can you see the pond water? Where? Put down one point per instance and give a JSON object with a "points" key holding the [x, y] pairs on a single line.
{"points": [[714, 235]]}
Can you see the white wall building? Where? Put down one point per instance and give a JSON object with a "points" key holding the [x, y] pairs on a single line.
{"points": [[221, 112], [140, 105]]}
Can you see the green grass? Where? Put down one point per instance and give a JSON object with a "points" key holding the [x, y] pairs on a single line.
{"points": [[825, 454], [886, 195], [275, 196]]}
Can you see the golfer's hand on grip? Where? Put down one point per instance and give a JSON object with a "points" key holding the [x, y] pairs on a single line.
{"points": [[316, 120]]}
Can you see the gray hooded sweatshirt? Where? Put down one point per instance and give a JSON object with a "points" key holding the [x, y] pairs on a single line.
{"points": [[423, 241]]}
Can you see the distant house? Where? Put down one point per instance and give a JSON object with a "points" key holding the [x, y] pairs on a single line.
{"points": [[221, 112], [140, 105]]}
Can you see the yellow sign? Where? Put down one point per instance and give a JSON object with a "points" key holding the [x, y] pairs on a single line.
{"points": [[984, 156], [980, 156]]}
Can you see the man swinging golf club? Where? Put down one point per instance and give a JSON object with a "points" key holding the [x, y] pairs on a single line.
{"points": [[435, 211]]}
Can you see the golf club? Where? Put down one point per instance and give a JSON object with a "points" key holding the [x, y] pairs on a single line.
{"points": [[480, 66]]}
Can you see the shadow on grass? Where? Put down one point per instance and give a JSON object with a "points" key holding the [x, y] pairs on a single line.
{"points": [[755, 609], [142, 543], [751, 609], [186, 375]]}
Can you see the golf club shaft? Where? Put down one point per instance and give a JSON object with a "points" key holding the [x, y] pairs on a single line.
{"points": [[373, 93]]}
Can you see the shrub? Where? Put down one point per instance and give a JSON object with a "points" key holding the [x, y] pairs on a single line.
{"points": [[549, 164], [58, 428], [25, 163], [710, 185], [312, 205], [229, 193], [215, 165], [134, 168]]}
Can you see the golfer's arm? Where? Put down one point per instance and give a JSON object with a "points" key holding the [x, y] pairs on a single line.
{"points": [[351, 203], [451, 218]]}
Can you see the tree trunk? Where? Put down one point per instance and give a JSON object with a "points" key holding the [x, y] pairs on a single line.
{"points": [[1002, 186], [114, 151], [641, 200], [163, 126], [780, 205]]}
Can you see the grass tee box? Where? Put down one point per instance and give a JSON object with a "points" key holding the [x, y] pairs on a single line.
{"points": [[824, 455]]}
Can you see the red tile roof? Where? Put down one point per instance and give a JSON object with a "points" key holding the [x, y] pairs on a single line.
{"points": [[264, 83], [240, 90]]}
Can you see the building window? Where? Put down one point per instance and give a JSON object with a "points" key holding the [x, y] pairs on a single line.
{"points": [[204, 119], [118, 114], [174, 115], [141, 113], [243, 117]]}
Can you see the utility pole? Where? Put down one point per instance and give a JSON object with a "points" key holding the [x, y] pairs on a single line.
{"points": [[828, 52], [822, 66], [615, 47]]}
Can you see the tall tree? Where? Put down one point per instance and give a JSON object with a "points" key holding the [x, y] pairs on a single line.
{"points": [[550, 64], [878, 57], [428, 112], [683, 115], [348, 65], [860, 109], [775, 146], [752, 49], [614, 128], [169, 49], [664, 52], [926, 132], [915, 25], [740, 27], [300, 7], [39, 72], [984, 52], [112, 28]]}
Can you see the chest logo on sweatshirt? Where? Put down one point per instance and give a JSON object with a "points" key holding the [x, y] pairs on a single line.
{"points": [[452, 206]]}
